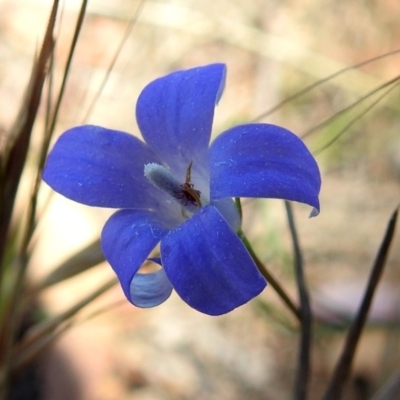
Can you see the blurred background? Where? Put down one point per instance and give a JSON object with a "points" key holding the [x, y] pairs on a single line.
{"points": [[273, 49]]}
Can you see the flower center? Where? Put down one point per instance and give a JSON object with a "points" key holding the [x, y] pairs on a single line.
{"points": [[184, 193], [187, 191]]}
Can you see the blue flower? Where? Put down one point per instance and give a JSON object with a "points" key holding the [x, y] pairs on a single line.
{"points": [[176, 190]]}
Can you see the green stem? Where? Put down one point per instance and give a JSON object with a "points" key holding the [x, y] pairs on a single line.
{"points": [[270, 278]]}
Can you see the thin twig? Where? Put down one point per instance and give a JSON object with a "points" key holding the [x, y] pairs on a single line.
{"points": [[304, 359], [343, 367]]}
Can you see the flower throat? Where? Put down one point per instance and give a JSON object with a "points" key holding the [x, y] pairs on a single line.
{"points": [[185, 193]]}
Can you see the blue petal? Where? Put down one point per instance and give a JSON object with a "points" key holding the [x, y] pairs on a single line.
{"points": [[229, 211], [150, 290], [101, 167], [127, 240], [261, 160], [208, 265], [175, 114]]}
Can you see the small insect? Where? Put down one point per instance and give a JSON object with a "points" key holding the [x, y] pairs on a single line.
{"points": [[188, 193]]}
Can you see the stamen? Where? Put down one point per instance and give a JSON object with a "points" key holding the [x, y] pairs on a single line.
{"points": [[184, 193]]}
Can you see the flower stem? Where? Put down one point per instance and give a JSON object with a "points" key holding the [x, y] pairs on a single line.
{"points": [[270, 278], [304, 357]]}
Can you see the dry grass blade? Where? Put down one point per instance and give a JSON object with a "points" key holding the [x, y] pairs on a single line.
{"points": [[15, 156], [113, 61], [266, 45], [20, 134], [23, 258], [314, 85], [357, 118], [36, 348], [343, 367], [304, 360], [41, 334], [87, 258], [48, 134], [351, 106], [26, 358]]}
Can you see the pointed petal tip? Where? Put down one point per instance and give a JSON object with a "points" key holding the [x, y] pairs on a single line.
{"points": [[314, 212], [264, 161], [222, 84]]}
